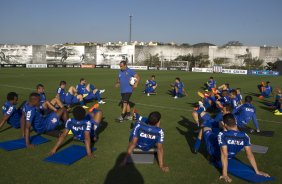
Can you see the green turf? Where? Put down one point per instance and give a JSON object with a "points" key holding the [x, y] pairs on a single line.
{"points": [[26, 165]]}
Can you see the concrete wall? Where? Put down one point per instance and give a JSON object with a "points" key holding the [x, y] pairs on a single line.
{"points": [[39, 54], [112, 55]]}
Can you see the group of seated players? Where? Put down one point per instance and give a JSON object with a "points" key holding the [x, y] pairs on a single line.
{"points": [[221, 134]]}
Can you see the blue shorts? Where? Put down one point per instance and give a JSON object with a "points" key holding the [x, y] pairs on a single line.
{"points": [[265, 95], [15, 119], [52, 121], [149, 90], [212, 144], [71, 99], [90, 96]]}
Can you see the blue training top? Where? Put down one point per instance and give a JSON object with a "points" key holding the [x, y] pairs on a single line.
{"points": [[234, 140], [244, 114], [124, 78], [148, 136], [61, 93], [78, 128]]}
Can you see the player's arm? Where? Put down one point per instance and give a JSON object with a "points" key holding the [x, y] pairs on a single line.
{"points": [[59, 142], [4, 120], [252, 161], [138, 79], [160, 153], [130, 149], [117, 83], [224, 161], [87, 141], [27, 135], [23, 124]]}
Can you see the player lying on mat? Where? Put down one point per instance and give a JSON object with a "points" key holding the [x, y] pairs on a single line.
{"points": [[71, 97], [83, 127], [46, 105], [40, 123], [148, 136], [151, 86], [227, 144], [11, 114], [89, 92]]}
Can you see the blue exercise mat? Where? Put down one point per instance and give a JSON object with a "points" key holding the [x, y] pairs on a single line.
{"points": [[69, 155], [243, 171], [20, 143]]}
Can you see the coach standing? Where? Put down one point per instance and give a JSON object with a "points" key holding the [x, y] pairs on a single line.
{"points": [[126, 89]]}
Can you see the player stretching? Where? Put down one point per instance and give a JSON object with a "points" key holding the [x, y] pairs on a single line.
{"points": [[151, 85], [178, 89], [148, 136]]}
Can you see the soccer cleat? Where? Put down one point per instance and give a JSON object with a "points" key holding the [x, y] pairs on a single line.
{"points": [[175, 97], [130, 118], [70, 133], [148, 94], [278, 113], [120, 119], [85, 107], [261, 97], [101, 102], [95, 106], [102, 91]]}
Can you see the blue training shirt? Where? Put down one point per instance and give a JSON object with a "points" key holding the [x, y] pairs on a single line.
{"points": [[78, 128], [8, 109], [81, 89], [35, 118], [148, 136], [234, 140], [180, 86], [61, 93], [244, 114], [124, 78]]}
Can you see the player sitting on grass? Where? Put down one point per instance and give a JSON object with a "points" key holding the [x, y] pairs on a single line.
{"points": [[211, 84], [266, 91], [239, 96], [235, 101], [82, 126], [227, 144], [89, 92], [35, 119], [71, 97], [224, 87], [178, 88], [245, 113], [224, 99], [216, 124], [11, 114], [46, 105], [148, 136], [151, 86]]}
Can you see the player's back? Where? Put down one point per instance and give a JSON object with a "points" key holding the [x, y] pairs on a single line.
{"points": [[78, 128], [234, 140], [245, 112], [148, 136]]}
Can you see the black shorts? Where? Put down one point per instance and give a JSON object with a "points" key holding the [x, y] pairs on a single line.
{"points": [[125, 97]]}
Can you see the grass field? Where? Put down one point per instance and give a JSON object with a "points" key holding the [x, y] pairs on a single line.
{"points": [[26, 165]]}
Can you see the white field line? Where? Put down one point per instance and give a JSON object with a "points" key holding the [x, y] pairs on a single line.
{"points": [[137, 103]]}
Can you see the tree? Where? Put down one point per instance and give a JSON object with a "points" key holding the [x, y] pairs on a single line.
{"points": [[254, 63], [233, 43], [218, 61], [153, 60]]}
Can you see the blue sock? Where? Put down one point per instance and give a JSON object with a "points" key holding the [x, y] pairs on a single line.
{"points": [[197, 145], [97, 94], [81, 103], [95, 111]]}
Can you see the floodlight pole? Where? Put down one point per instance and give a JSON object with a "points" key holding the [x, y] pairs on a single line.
{"points": [[130, 30]]}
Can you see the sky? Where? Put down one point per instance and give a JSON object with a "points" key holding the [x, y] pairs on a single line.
{"points": [[252, 22]]}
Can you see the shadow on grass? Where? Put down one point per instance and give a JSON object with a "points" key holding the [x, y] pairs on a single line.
{"points": [[125, 174], [5, 129], [252, 94], [191, 136]]}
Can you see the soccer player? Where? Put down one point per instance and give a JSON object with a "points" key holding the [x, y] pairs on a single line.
{"points": [[150, 86], [224, 99], [148, 136], [245, 113], [35, 119], [179, 90], [211, 84], [83, 127], [227, 144], [73, 98], [126, 89], [89, 92], [44, 103], [266, 91], [239, 96], [61, 91], [11, 114], [234, 99]]}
